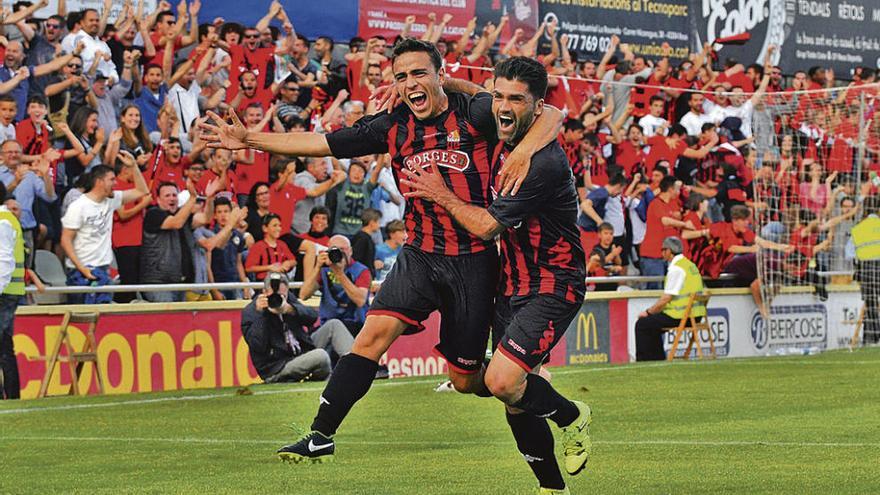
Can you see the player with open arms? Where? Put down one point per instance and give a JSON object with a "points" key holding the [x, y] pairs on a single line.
{"points": [[443, 266], [542, 278]]}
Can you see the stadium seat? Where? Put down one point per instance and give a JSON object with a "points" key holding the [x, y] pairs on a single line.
{"points": [[689, 325], [75, 359], [51, 272]]}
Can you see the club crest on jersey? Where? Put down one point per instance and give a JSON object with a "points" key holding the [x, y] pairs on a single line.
{"points": [[456, 160], [453, 140]]}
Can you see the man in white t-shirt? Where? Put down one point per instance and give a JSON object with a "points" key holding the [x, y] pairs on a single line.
{"points": [[653, 123], [88, 223]]}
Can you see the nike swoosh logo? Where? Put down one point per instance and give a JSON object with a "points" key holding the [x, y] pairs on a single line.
{"points": [[315, 448]]}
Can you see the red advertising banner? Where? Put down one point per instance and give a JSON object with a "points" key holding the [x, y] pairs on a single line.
{"points": [[204, 348], [142, 352], [386, 17]]}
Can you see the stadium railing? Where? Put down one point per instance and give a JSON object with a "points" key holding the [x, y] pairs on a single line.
{"points": [[64, 289]]}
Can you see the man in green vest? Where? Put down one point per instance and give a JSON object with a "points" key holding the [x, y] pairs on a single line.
{"points": [[865, 237], [11, 291], [682, 280]]}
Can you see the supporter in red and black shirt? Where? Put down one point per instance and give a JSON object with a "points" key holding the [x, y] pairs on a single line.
{"points": [[630, 154], [732, 248], [570, 138]]}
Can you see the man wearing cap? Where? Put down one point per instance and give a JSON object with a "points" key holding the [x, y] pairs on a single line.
{"points": [[276, 331], [109, 95], [682, 280]]}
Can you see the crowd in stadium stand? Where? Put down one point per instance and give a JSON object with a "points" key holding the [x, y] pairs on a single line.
{"points": [[652, 157]]}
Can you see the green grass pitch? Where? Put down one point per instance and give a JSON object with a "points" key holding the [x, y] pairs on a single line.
{"points": [[778, 425]]}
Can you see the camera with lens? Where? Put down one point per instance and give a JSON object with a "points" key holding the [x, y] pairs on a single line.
{"points": [[334, 254], [275, 300]]}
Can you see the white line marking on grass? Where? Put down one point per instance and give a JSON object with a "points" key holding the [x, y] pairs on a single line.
{"points": [[433, 380], [233, 441]]}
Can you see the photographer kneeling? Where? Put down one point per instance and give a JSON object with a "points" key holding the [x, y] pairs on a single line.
{"points": [[344, 284], [274, 326]]}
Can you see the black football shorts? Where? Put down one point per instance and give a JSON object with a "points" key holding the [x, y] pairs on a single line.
{"points": [[461, 287]]}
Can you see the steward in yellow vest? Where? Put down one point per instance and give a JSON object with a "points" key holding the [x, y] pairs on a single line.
{"points": [[683, 279], [11, 290], [865, 237]]}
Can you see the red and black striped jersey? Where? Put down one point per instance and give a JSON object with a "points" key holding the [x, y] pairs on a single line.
{"points": [[541, 251], [460, 140]]}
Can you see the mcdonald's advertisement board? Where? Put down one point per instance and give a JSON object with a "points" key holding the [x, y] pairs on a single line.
{"points": [[598, 333]]}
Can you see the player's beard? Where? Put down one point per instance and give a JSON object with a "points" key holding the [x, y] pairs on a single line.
{"points": [[521, 125]]}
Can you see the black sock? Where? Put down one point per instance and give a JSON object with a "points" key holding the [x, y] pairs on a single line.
{"points": [[350, 380], [535, 442], [542, 400]]}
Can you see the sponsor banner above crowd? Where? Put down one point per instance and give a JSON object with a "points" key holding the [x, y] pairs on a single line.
{"points": [[643, 24], [839, 34]]}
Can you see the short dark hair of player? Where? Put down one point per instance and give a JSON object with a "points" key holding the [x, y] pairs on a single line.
{"points": [[222, 201], [305, 40], [526, 70], [677, 130], [605, 226], [413, 45], [617, 179], [740, 212], [370, 215], [319, 210], [667, 184], [572, 125]]}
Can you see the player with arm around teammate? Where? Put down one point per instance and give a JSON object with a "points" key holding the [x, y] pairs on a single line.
{"points": [[542, 277], [442, 266]]}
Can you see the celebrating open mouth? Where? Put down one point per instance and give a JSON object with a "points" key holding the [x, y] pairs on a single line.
{"points": [[506, 123], [419, 100]]}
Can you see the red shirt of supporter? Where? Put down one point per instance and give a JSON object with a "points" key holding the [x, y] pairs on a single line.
{"points": [[169, 172], [129, 232], [283, 202], [580, 90], [31, 141], [662, 150], [630, 157], [249, 174], [260, 62], [660, 207], [262, 254], [724, 236]]}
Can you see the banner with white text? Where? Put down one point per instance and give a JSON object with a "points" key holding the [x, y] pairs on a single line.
{"points": [[836, 34]]}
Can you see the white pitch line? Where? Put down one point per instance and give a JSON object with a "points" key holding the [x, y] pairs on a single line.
{"points": [[233, 441], [435, 379]]}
